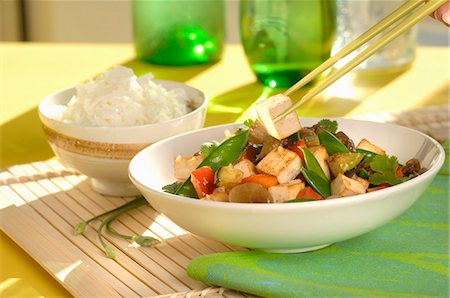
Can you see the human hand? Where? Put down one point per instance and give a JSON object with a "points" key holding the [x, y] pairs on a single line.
{"points": [[442, 14]]}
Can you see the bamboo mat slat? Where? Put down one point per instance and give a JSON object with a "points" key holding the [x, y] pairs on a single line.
{"points": [[432, 120], [41, 203]]}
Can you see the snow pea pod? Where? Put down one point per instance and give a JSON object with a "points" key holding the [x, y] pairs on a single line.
{"points": [[227, 152], [320, 185], [331, 143], [369, 155], [312, 163]]}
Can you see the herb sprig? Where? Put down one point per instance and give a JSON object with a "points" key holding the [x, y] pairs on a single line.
{"points": [[111, 216], [385, 168]]}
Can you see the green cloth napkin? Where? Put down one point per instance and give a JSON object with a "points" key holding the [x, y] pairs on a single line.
{"points": [[408, 257]]}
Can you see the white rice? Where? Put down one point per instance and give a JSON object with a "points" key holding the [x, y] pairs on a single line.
{"points": [[119, 98]]}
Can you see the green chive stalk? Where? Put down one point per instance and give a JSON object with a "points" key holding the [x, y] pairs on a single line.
{"points": [[139, 239], [80, 227], [113, 215]]}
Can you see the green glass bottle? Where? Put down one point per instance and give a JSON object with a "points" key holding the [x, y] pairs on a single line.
{"points": [[285, 39], [178, 32]]}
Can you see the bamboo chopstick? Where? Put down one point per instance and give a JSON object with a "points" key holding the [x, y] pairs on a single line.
{"points": [[366, 36], [423, 11]]}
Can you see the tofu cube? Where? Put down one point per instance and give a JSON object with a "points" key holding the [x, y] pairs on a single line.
{"points": [[282, 163], [363, 182], [366, 145], [219, 195], [287, 191], [184, 165], [246, 167], [321, 154], [270, 108], [343, 186]]}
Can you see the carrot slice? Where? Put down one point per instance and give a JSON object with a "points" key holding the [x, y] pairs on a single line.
{"points": [[309, 193], [264, 180]]}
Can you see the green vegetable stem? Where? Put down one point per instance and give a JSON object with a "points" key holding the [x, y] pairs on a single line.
{"points": [[224, 154], [139, 239], [112, 216], [80, 227]]}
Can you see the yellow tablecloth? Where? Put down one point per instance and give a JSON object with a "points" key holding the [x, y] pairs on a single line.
{"points": [[29, 71]]}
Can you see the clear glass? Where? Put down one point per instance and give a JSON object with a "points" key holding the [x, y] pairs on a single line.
{"points": [[285, 39], [354, 17], [178, 32]]}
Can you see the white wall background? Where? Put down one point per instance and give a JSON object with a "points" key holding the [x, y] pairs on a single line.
{"points": [[111, 21], [84, 20]]}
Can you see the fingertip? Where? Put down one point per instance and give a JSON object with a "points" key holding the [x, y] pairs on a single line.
{"points": [[446, 18]]}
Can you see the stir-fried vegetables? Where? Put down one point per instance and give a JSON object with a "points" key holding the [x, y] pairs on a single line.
{"points": [[314, 163]]}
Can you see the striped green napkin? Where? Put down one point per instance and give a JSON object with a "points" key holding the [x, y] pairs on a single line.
{"points": [[408, 257]]}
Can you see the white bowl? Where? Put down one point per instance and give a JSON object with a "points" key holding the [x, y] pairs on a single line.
{"points": [[288, 227], [104, 153]]}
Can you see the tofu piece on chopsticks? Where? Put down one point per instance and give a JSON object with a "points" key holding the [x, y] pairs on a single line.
{"points": [[272, 107]]}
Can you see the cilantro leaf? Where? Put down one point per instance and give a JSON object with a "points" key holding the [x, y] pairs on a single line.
{"points": [[330, 125], [208, 147], [249, 122], [385, 168], [171, 188]]}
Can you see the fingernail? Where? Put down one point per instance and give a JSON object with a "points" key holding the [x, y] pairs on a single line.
{"points": [[446, 18]]}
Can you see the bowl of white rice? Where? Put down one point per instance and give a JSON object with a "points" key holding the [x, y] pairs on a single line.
{"points": [[97, 126]]}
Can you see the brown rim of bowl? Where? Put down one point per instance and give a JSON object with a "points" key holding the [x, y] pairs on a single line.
{"points": [[91, 148]]}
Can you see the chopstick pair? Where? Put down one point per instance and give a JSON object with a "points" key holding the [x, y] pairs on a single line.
{"points": [[422, 9]]}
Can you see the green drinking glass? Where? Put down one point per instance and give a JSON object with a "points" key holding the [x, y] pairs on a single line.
{"points": [[285, 39], [178, 32]]}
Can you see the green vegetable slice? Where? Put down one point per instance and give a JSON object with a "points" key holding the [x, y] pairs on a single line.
{"points": [[312, 163], [363, 174], [342, 162], [331, 143], [224, 154], [321, 186], [310, 137], [294, 137]]}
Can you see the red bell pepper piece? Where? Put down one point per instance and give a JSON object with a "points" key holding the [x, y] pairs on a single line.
{"points": [[203, 181], [296, 148], [309, 193], [398, 172], [264, 180], [378, 187]]}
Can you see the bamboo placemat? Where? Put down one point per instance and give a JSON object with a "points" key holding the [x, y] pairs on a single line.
{"points": [[41, 203], [432, 120]]}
